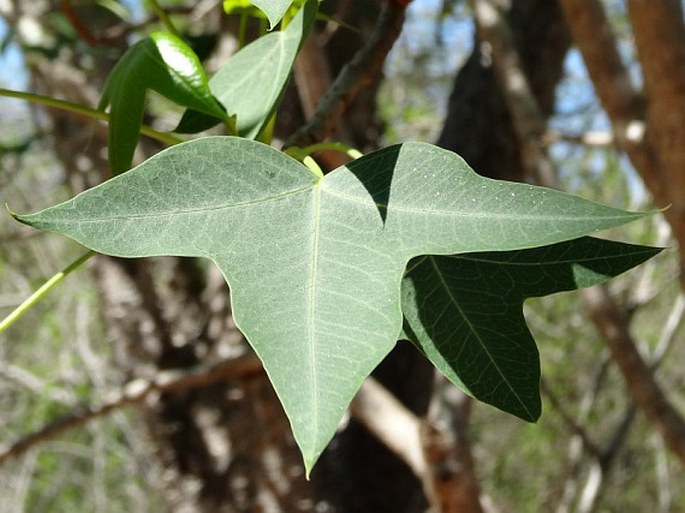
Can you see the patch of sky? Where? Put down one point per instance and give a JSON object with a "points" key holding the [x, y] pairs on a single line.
{"points": [[11, 61], [13, 113], [432, 33], [578, 111], [436, 39], [135, 7]]}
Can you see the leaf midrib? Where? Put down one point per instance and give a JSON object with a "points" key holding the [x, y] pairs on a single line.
{"points": [[468, 214], [313, 274], [484, 347]]}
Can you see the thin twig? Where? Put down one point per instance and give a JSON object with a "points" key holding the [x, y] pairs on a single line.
{"points": [[26, 305], [610, 321], [675, 319], [172, 381], [638, 375], [84, 111], [353, 78], [573, 426]]}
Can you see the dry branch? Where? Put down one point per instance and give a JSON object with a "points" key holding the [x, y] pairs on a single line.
{"points": [[610, 321], [133, 393], [353, 78], [649, 129], [391, 423], [639, 377]]}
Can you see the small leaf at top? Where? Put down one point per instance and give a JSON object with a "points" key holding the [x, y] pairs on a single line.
{"points": [[243, 7], [274, 9], [165, 64], [263, 68], [315, 264], [465, 312]]}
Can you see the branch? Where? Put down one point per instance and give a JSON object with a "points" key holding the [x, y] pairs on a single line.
{"points": [[591, 138], [441, 463], [595, 39], [354, 77], [626, 107], [659, 32], [609, 320], [527, 118], [667, 338], [135, 392], [639, 378], [573, 426], [390, 422], [451, 482]]}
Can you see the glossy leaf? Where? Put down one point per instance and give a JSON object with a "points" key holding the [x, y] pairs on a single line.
{"points": [[465, 312], [165, 64], [315, 263]]}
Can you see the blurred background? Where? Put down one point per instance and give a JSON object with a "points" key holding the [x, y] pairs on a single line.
{"points": [[583, 95]]}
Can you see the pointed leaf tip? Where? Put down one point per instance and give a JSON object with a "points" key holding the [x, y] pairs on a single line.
{"points": [[452, 303], [263, 67]]}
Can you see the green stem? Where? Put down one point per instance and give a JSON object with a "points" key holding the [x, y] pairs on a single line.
{"points": [[163, 17], [38, 294], [84, 111], [312, 166], [353, 153], [242, 30]]}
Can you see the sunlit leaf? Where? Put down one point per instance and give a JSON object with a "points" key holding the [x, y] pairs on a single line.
{"points": [[263, 68], [315, 263], [162, 63]]}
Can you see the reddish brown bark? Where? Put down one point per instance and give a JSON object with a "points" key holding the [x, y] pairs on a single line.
{"points": [[649, 125]]}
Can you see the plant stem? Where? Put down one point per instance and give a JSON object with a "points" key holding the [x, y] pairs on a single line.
{"points": [[38, 294], [353, 153], [163, 17], [242, 30], [84, 111], [312, 166]]}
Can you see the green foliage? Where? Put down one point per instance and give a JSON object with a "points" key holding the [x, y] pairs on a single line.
{"points": [[162, 63], [263, 68], [274, 9], [318, 265], [315, 263]]}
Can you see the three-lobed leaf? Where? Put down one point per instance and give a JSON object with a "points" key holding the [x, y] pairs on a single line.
{"points": [[315, 264], [465, 312]]}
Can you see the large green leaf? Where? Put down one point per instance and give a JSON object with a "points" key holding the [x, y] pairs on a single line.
{"points": [[315, 263], [465, 312], [263, 68], [161, 62]]}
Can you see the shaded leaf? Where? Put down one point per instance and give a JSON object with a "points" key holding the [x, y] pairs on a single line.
{"points": [[465, 312], [315, 263]]}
